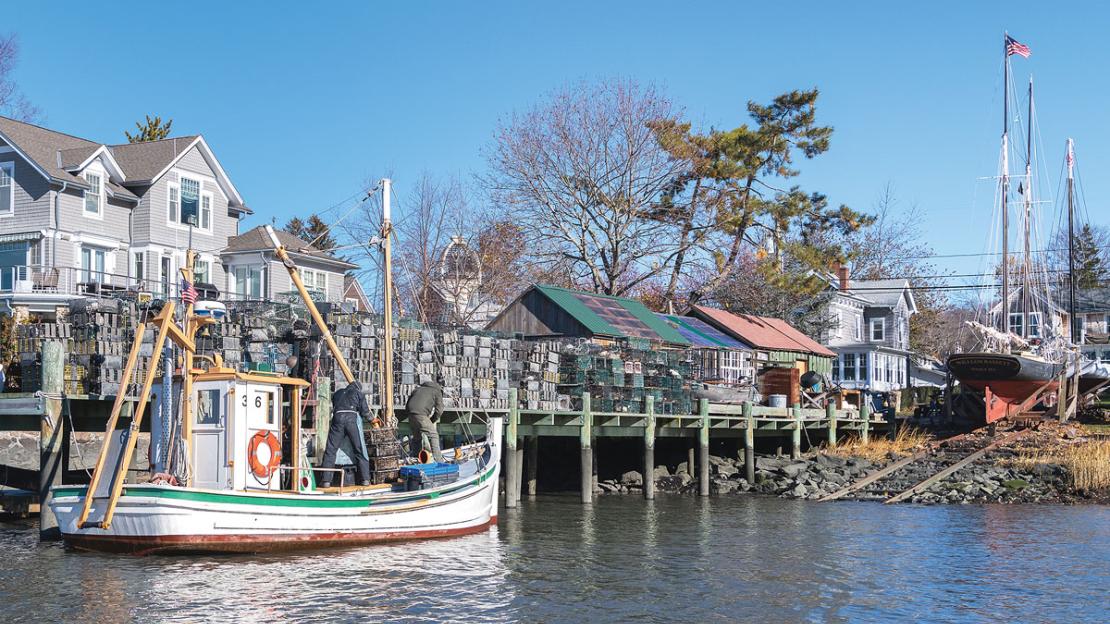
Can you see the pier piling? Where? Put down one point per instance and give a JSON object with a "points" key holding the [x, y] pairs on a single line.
{"points": [[749, 443], [703, 443], [531, 461], [50, 435], [512, 456], [830, 413], [586, 463], [796, 434], [649, 448], [865, 414]]}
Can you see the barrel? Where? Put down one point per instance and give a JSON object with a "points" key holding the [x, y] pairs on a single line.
{"points": [[777, 400]]}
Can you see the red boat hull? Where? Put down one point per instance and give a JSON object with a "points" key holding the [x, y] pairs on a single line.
{"points": [[1011, 384]]}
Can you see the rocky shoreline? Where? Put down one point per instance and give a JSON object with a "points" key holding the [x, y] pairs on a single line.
{"points": [[995, 478]]}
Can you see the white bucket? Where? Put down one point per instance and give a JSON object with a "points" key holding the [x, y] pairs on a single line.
{"points": [[777, 400]]}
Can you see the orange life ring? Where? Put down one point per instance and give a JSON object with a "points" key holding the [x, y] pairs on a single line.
{"points": [[264, 470]]}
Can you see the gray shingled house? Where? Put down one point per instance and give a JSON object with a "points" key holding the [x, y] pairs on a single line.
{"points": [[80, 216], [253, 272]]}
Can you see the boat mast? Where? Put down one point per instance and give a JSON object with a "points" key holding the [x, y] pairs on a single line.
{"points": [[1075, 337], [387, 316], [1027, 198], [1004, 323]]}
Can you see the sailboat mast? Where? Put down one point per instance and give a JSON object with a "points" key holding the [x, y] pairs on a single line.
{"points": [[1072, 320], [1004, 323], [387, 316], [1027, 197]]}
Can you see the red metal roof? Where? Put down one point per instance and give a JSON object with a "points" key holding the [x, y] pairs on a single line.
{"points": [[762, 332]]}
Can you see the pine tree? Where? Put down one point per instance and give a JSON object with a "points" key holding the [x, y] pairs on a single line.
{"points": [[309, 231], [1090, 272], [152, 130]]}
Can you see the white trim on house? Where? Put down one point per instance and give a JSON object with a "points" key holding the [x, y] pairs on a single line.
{"points": [[6, 149], [109, 163], [222, 180]]}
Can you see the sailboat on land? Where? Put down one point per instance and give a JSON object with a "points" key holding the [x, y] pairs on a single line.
{"points": [[1022, 353], [231, 490]]}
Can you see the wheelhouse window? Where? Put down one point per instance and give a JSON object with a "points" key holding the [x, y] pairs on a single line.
{"points": [[7, 188], [878, 330], [95, 195]]}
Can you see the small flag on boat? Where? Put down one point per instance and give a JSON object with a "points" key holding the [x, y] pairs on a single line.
{"points": [[1013, 46], [188, 293]]}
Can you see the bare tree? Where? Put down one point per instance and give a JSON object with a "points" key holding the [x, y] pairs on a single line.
{"points": [[579, 172], [12, 102]]}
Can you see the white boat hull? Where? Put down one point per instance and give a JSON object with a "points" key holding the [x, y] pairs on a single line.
{"points": [[164, 519]]}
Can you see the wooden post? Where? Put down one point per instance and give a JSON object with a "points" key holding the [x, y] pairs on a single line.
{"points": [[830, 414], [948, 398], [322, 417], [703, 443], [749, 443], [1062, 397], [796, 434], [295, 437], [649, 448], [865, 415], [512, 458], [531, 463], [186, 373], [50, 435], [586, 461]]}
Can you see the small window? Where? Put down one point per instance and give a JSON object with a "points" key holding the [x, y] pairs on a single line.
{"points": [[174, 203], [863, 367], [140, 267], [206, 212], [93, 196], [849, 367], [1017, 327], [209, 407], [859, 328], [7, 188], [248, 282], [878, 330], [836, 369], [202, 272]]}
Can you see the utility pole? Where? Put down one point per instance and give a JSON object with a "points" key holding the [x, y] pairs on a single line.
{"points": [[387, 312]]}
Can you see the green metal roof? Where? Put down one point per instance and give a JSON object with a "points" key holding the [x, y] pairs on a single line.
{"points": [[628, 318]]}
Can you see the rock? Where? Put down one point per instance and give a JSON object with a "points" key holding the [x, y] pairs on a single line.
{"points": [[727, 470], [632, 478], [723, 487], [681, 469], [767, 463], [608, 486], [661, 471], [793, 470], [1016, 484], [799, 491], [719, 461], [685, 478]]}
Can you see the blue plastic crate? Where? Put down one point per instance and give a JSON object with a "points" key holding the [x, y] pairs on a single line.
{"points": [[422, 476]]}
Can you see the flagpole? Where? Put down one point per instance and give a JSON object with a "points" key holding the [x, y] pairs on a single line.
{"points": [[1005, 320]]}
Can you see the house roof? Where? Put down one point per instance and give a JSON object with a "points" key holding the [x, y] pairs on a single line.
{"points": [[55, 153], [882, 292], [257, 240], [761, 332], [1091, 300], [351, 286], [607, 315], [144, 161], [702, 334]]}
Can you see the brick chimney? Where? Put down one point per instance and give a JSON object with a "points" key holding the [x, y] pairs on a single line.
{"points": [[842, 274]]}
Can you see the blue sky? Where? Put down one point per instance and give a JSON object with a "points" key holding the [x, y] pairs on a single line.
{"points": [[304, 103]]}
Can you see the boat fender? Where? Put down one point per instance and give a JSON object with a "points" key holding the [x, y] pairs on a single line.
{"points": [[260, 469]]}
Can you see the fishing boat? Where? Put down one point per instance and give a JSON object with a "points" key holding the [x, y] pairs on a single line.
{"points": [[1021, 354], [224, 484]]}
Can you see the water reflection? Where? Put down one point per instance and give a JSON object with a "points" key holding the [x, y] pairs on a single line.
{"points": [[622, 558]]}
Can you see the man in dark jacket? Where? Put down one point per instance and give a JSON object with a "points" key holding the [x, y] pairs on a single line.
{"points": [[347, 406], [424, 407]]}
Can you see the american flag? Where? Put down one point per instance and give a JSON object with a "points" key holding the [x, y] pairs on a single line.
{"points": [[188, 293], [1013, 46]]}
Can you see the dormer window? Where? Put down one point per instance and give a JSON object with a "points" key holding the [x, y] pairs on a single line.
{"points": [[188, 205], [94, 197]]}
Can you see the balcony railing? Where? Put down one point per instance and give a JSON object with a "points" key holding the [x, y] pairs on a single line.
{"points": [[34, 279]]}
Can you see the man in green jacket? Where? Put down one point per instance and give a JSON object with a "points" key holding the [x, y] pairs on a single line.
{"points": [[425, 407]]}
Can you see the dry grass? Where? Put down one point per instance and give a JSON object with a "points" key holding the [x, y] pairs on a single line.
{"points": [[1087, 463], [878, 448]]}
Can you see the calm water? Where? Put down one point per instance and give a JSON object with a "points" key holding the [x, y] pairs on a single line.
{"points": [[676, 559]]}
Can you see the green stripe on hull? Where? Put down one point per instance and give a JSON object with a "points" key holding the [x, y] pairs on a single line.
{"points": [[269, 501]]}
